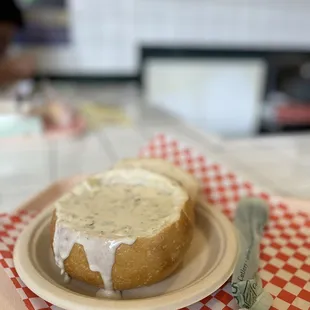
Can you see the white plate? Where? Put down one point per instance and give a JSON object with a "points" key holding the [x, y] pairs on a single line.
{"points": [[208, 264]]}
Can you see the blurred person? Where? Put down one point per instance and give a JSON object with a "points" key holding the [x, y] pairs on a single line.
{"points": [[12, 68]]}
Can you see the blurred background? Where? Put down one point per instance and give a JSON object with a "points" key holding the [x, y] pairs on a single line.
{"points": [[104, 71], [197, 59]]}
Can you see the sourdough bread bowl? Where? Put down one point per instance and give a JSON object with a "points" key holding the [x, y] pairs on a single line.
{"points": [[122, 229]]}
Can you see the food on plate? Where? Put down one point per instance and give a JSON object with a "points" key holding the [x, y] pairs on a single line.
{"points": [[161, 166], [122, 229], [54, 114]]}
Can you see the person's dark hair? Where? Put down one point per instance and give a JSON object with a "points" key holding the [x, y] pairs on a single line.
{"points": [[10, 13]]}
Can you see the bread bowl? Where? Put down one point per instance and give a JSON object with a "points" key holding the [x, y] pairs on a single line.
{"points": [[164, 167], [122, 229]]}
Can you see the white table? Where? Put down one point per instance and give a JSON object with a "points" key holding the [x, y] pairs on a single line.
{"points": [[27, 167], [278, 165]]}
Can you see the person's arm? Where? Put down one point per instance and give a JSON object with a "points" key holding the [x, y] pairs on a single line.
{"points": [[16, 68], [12, 69], [10, 20]]}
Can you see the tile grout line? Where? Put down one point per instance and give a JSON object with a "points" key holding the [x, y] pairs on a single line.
{"points": [[141, 134], [111, 148], [53, 157], [106, 145]]}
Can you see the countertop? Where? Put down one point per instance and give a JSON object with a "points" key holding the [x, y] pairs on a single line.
{"points": [[277, 164]]}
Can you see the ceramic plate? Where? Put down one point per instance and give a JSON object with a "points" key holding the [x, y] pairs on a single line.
{"points": [[207, 266]]}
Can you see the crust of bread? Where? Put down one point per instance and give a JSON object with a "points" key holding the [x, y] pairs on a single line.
{"points": [[163, 167], [147, 261]]}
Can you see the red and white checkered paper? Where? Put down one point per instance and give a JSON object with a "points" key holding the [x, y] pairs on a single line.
{"points": [[285, 248]]}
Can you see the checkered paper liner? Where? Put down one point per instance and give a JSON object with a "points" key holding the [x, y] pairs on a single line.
{"points": [[285, 248]]}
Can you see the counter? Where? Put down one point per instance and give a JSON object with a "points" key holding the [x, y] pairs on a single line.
{"points": [[277, 164]]}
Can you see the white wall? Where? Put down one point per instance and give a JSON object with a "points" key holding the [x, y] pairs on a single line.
{"points": [[106, 34]]}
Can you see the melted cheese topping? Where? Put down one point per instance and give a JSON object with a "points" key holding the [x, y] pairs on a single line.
{"points": [[113, 209]]}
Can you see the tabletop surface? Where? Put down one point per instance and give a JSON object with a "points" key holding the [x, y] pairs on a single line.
{"points": [[277, 164]]}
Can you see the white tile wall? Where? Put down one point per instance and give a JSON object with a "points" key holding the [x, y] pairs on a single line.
{"points": [[106, 34]]}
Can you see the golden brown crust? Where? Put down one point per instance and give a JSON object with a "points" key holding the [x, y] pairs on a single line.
{"points": [[147, 261]]}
